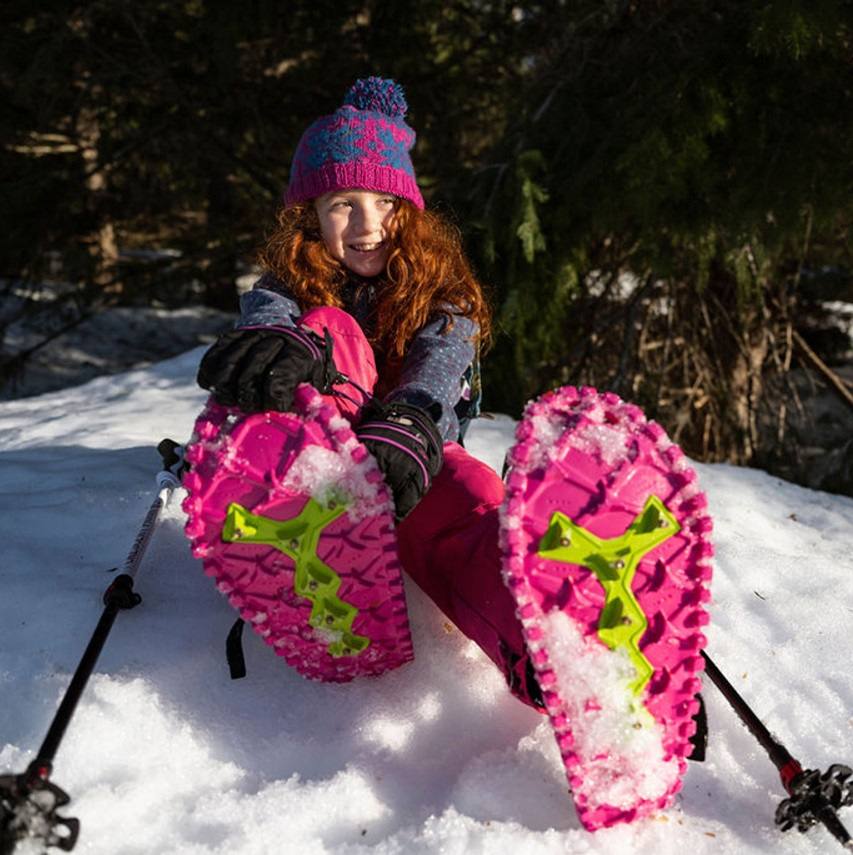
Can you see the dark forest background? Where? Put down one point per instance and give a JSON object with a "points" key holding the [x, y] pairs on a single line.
{"points": [[658, 194]]}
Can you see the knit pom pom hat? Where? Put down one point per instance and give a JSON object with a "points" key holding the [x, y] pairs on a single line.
{"points": [[363, 145]]}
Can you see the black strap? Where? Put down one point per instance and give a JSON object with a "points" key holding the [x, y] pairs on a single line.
{"points": [[234, 650], [700, 737]]}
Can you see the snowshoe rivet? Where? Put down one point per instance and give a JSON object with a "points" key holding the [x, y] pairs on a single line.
{"points": [[330, 619], [312, 585], [332, 505], [637, 726], [663, 523], [626, 621], [347, 651], [618, 564], [565, 540], [294, 544]]}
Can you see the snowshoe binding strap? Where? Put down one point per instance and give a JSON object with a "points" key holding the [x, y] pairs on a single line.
{"points": [[699, 740], [234, 650]]}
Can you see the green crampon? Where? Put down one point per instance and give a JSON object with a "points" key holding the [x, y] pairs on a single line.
{"points": [[312, 578], [614, 562]]}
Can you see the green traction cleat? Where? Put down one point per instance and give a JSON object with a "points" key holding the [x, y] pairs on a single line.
{"points": [[614, 562], [312, 578]]}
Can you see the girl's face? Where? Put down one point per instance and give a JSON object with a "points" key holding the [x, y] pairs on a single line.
{"points": [[355, 225]]}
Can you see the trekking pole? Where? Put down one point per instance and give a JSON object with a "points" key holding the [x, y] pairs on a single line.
{"points": [[813, 796], [28, 801]]}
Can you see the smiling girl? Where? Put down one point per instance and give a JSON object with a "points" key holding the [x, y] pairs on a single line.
{"points": [[369, 298], [356, 261]]}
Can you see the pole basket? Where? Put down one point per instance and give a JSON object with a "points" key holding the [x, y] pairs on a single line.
{"points": [[816, 797], [28, 805]]}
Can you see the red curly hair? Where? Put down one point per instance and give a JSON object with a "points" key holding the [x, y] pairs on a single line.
{"points": [[426, 271]]}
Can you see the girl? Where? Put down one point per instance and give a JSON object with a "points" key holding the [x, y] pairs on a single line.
{"points": [[600, 531], [356, 257]]}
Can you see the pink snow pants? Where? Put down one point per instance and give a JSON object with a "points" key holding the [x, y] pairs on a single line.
{"points": [[449, 543]]}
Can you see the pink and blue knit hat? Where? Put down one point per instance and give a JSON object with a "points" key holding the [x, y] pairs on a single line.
{"points": [[363, 145]]}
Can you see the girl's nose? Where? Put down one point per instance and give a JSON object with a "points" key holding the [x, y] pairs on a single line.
{"points": [[367, 219]]}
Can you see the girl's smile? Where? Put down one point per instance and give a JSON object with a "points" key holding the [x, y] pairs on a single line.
{"points": [[355, 225]]}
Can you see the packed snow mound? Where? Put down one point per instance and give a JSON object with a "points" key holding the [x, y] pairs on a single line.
{"points": [[167, 755]]}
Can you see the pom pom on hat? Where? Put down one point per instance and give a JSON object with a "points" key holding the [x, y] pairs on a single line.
{"points": [[379, 95]]}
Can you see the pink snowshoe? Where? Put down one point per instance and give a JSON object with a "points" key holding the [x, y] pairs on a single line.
{"points": [[290, 515], [605, 538]]}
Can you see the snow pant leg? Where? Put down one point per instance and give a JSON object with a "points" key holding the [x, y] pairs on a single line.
{"points": [[449, 545], [353, 357], [449, 542]]}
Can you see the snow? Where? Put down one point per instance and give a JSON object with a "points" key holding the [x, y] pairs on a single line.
{"points": [[546, 431], [322, 473], [840, 316], [167, 755], [609, 443], [110, 341], [609, 732]]}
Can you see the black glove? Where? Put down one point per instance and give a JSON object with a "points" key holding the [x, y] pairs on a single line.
{"points": [[408, 448], [259, 368]]}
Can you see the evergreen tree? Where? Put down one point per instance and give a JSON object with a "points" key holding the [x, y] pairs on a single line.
{"points": [[647, 187], [670, 170]]}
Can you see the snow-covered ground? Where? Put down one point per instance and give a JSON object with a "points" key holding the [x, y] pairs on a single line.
{"points": [[112, 340], [167, 755]]}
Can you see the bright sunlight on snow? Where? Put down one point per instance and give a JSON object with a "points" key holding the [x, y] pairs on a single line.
{"points": [[167, 755]]}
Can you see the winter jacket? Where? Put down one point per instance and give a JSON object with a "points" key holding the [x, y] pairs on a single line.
{"points": [[439, 372]]}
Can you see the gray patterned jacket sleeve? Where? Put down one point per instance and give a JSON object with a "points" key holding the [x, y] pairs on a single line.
{"points": [[433, 369], [267, 307]]}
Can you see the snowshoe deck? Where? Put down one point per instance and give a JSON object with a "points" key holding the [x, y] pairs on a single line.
{"points": [[605, 538], [290, 515]]}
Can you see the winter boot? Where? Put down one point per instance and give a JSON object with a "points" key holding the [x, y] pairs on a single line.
{"points": [[290, 515], [606, 552]]}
